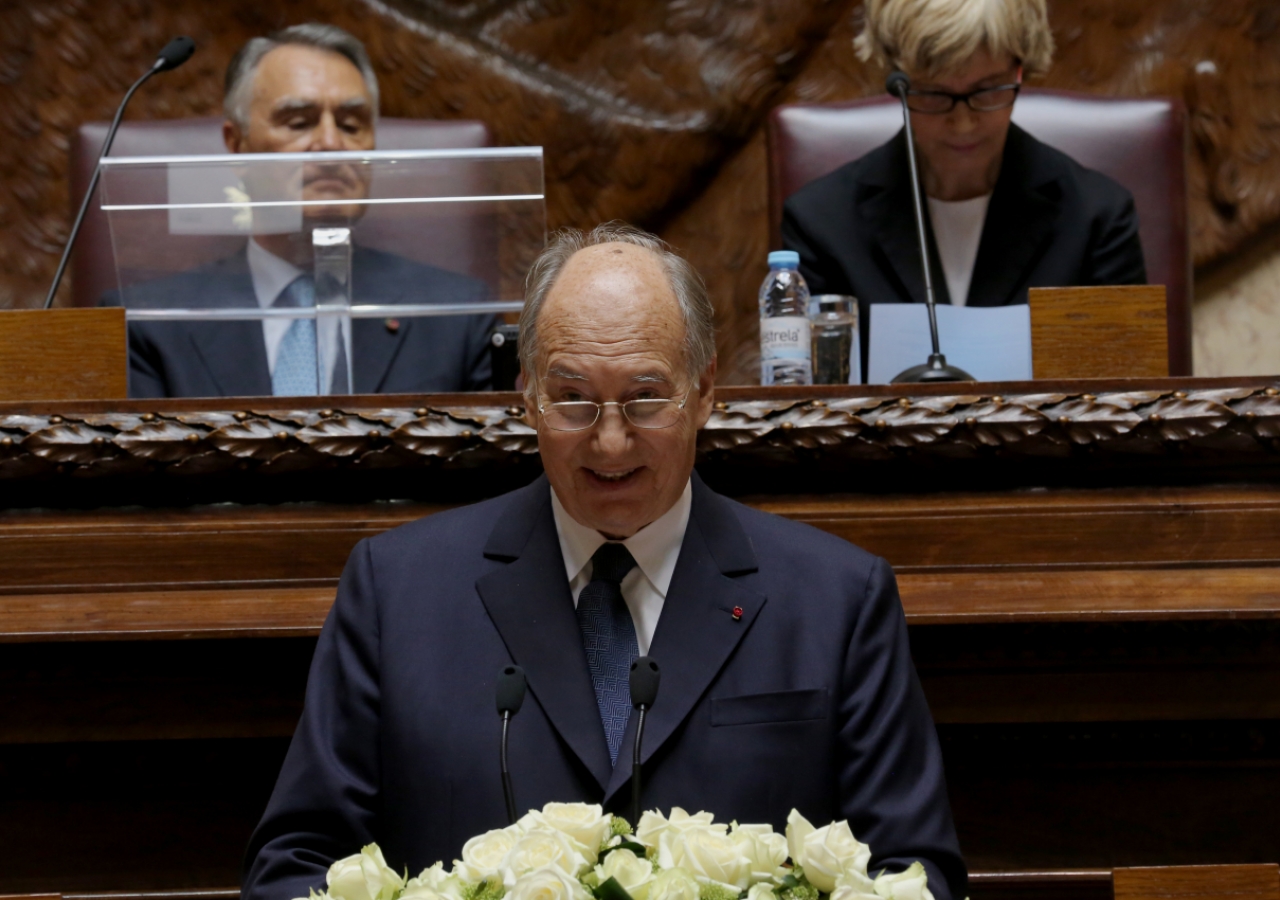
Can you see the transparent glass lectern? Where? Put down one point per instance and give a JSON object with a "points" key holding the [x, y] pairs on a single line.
{"points": [[354, 264]]}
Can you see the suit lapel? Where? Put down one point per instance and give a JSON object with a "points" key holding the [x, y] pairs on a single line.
{"points": [[884, 201], [1021, 218], [234, 353], [697, 631], [532, 609], [373, 345]]}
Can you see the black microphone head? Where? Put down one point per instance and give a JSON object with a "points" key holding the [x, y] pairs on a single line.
{"points": [[897, 83], [511, 689], [644, 682], [174, 54]]}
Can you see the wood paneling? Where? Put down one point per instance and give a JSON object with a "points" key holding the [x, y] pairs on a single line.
{"points": [[649, 112], [63, 354], [1099, 332], [1260, 882]]}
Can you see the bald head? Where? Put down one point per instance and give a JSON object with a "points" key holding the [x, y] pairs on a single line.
{"points": [[614, 300], [636, 255]]}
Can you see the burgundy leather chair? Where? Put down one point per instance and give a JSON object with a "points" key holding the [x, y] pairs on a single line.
{"points": [[1139, 142], [454, 239]]}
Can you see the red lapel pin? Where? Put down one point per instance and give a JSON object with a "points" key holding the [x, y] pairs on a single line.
{"points": [[737, 613], [393, 325]]}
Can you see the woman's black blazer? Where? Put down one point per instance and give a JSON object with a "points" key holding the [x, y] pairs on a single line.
{"points": [[1051, 223]]}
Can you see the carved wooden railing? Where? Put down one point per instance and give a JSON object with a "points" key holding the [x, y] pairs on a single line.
{"points": [[863, 438]]}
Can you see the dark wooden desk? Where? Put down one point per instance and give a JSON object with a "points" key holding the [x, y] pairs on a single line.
{"points": [[1088, 569]]}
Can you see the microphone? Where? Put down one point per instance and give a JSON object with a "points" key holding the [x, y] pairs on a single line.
{"points": [[936, 369], [510, 695], [644, 690], [174, 54]]}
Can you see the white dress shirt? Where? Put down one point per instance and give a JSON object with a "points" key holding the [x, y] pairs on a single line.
{"points": [[271, 275], [655, 548], [957, 232]]}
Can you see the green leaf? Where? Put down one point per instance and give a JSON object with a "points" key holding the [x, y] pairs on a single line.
{"points": [[637, 849], [611, 890]]}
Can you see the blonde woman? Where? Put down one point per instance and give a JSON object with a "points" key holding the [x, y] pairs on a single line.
{"points": [[1005, 211]]}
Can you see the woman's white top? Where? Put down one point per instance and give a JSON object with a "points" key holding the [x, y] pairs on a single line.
{"points": [[957, 231]]}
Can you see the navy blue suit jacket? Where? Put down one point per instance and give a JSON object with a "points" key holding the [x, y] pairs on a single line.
{"points": [[808, 700], [229, 359]]}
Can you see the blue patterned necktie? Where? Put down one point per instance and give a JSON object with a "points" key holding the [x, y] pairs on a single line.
{"points": [[609, 636], [295, 371]]}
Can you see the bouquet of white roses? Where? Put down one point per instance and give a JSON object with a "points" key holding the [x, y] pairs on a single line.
{"points": [[574, 851]]}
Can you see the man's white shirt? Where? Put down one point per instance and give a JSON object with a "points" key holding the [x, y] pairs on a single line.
{"points": [[655, 548], [271, 275]]}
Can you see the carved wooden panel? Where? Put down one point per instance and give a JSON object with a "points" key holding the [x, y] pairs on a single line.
{"points": [[649, 111]]}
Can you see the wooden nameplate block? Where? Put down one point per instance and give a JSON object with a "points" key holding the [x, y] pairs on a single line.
{"points": [[63, 354], [1238, 882], [1119, 331]]}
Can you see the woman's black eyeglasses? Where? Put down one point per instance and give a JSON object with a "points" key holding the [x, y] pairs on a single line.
{"points": [[985, 100]]}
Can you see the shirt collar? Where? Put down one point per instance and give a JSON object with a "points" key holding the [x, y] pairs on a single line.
{"points": [[270, 274], [655, 547]]}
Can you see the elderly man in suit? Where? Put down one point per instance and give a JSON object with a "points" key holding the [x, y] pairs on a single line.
{"points": [[786, 674], [305, 89]]}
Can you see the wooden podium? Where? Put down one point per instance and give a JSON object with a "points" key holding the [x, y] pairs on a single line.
{"points": [[63, 354]]}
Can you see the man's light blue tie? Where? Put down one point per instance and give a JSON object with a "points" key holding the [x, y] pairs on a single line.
{"points": [[295, 371], [609, 636]]}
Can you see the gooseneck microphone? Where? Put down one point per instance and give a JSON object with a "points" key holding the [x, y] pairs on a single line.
{"points": [[644, 690], [936, 369], [174, 54], [512, 686]]}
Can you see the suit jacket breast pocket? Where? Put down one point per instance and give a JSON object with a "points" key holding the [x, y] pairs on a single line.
{"points": [[781, 706]]}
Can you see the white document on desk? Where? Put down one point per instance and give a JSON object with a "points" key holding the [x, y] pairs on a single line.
{"points": [[991, 343]]}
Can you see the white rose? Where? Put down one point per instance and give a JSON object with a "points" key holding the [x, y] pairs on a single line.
{"points": [[764, 848], [653, 824], [853, 885], [482, 856], [540, 849], [909, 885], [586, 823], [761, 891], [673, 884], [549, 883], [707, 852], [433, 884], [364, 876], [825, 853], [633, 873]]}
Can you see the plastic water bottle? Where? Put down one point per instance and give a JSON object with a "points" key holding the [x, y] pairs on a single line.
{"points": [[784, 322]]}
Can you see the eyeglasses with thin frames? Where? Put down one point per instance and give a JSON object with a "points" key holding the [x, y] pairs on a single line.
{"points": [[984, 100], [579, 415]]}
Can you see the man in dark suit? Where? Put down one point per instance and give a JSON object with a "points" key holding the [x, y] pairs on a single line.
{"points": [[307, 88], [409, 355], [786, 675]]}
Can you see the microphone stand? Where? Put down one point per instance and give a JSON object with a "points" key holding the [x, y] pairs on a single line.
{"points": [[644, 679], [508, 792], [512, 684], [171, 57], [936, 369], [635, 767]]}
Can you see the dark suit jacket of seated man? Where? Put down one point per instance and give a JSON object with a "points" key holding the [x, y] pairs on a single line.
{"points": [[786, 681], [408, 354]]}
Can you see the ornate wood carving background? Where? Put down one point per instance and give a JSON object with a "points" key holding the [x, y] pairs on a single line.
{"points": [[650, 111]]}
